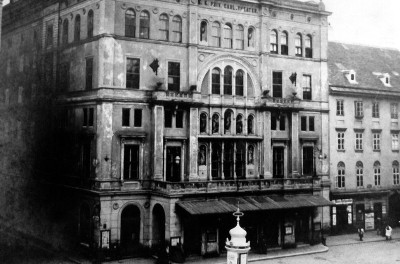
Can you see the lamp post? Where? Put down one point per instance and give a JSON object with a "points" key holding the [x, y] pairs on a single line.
{"points": [[237, 248]]}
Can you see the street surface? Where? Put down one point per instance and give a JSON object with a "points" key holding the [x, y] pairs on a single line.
{"points": [[381, 252]]}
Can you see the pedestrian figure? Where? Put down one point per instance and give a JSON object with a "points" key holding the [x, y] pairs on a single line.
{"points": [[361, 233], [388, 231]]}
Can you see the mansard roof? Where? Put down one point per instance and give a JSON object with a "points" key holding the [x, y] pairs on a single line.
{"points": [[370, 65]]}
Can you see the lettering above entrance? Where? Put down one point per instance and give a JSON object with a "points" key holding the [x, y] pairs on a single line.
{"points": [[229, 6]]}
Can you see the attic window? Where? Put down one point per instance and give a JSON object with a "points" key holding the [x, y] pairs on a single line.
{"points": [[385, 78], [351, 76]]}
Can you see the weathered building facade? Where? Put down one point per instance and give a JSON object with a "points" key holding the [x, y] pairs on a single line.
{"points": [[364, 130], [168, 115]]}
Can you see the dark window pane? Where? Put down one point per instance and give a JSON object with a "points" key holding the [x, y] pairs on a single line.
{"points": [[277, 84], [85, 116], [130, 23], [311, 123], [91, 117], [138, 118], [278, 162], [168, 118], [132, 73], [203, 123], [77, 30], [179, 119], [89, 73], [228, 81], [131, 162], [273, 122], [216, 81], [282, 123], [126, 112], [90, 24], [303, 123], [308, 160], [144, 25], [174, 76], [239, 83]]}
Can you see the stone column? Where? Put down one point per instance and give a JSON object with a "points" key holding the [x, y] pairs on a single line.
{"points": [[295, 144], [193, 143], [158, 142], [267, 144]]}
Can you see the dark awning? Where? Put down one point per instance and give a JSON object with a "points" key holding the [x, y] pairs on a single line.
{"points": [[251, 203]]}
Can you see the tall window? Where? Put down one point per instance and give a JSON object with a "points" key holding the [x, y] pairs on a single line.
{"points": [[376, 141], [277, 84], [216, 152], [77, 30], [284, 43], [203, 123], [130, 23], [168, 118], [375, 110], [228, 160], [179, 119], [278, 161], [228, 36], [164, 27], [359, 112], [89, 73], [239, 83], [239, 37], [131, 162], [138, 118], [307, 95], [174, 76], [360, 174], [298, 45], [359, 141], [202, 156], [308, 46], [250, 125], [340, 136], [250, 37], [216, 34], [177, 29], [395, 141], [339, 108], [393, 111], [216, 81], [215, 123], [273, 40], [90, 24], [132, 73], [88, 117], [239, 124], [340, 178], [144, 31], [228, 121], [377, 173], [303, 124], [49, 35], [228, 80], [126, 114], [65, 32], [308, 160], [203, 31], [395, 169]]}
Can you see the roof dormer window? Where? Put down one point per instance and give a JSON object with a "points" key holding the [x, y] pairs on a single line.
{"points": [[385, 78], [351, 76]]}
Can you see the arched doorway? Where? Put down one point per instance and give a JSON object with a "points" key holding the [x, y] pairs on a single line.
{"points": [[394, 207], [158, 225], [130, 230]]}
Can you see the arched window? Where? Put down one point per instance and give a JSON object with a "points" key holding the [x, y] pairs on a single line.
{"points": [[202, 156], [377, 173], [164, 27], [130, 23], [250, 125], [203, 31], [360, 174], [90, 24], [65, 32], [239, 37], [228, 36], [228, 121], [239, 83], [250, 154], [216, 81], [299, 45], [250, 37], [203, 123], [239, 124], [144, 30], [273, 40], [77, 31], [228, 80], [284, 43], [308, 46], [395, 169], [177, 29], [340, 178], [216, 34], [215, 123]]}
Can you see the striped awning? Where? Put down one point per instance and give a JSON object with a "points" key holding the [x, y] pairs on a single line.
{"points": [[251, 203]]}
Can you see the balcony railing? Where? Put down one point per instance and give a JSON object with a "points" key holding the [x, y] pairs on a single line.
{"points": [[217, 186]]}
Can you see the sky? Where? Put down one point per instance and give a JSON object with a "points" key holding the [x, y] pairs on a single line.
{"points": [[367, 22]]}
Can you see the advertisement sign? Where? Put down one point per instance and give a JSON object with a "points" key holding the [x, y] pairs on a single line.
{"points": [[369, 221], [232, 257], [105, 239]]}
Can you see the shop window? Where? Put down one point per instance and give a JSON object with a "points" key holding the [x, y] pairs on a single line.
{"points": [[126, 115], [203, 31], [228, 36], [340, 178], [215, 123], [130, 162], [284, 43], [132, 73], [250, 125], [216, 34], [89, 74], [174, 76], [164, 27], [144, 31], [138, 118], [130, 23], [360, 174], [216, 81], [88, 117], [203, 123], [177, 29], [239, 124], [239, 37], [228, 80], [307, 94], [65, 32], [90, 23], [308, 46], [273, 39], [77, 29], [377, 173], [239, 83], [395, 170], [298, 45]]}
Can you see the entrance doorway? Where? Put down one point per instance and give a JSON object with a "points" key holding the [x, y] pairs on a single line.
{"points": [[173, 166], [302, 227], [394, 207], [130, 230], [158, 225]]}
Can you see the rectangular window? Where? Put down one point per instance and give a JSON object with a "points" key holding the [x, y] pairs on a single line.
{"points": [[126, 115], [131, 162], [340, 136], [303, 123], [89, 73], [359, 141], [395, 141], [179, 119], [168, 119], [278, 162], [308, 160], [277, 84], [282, 123], [88, 117], [358, 109], [376, 141], [339, 108], [49, 35], [311, 123], [174, 76], [340, 180], [307, 87], [132, 73], [375, 110], [273, 122], [394, 111], [377, 176], [396, 180], [138, 118], [360, 177]]}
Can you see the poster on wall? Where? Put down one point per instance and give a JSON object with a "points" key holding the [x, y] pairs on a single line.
{"points": [[105, 239], [334, 220], [232, 257], [369, 221]]}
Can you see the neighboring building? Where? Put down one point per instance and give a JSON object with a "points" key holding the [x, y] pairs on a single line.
{"points": [[169, 115], [364, 134]]}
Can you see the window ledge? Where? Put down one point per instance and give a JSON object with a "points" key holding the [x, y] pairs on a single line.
{"points": [[359, 150], [341, 150], [376, 150], [395, 150]]}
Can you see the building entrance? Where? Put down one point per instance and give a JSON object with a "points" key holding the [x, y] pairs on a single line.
{"points": [[173, 166], [130, 230]]}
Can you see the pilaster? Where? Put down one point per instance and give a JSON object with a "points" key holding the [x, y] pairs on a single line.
{"points": [[267, 169], [193, 144], [158, 142], [295, 144], [105, 133]]}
